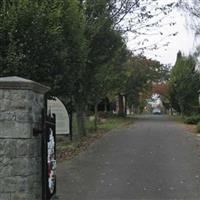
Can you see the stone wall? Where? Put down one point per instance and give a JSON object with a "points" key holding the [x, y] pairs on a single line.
{"points": [[21, 107]]}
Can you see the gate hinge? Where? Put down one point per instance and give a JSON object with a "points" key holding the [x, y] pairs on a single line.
{"points": [[37, 132]]}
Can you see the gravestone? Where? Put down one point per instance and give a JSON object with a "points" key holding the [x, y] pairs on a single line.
{"points": [[62, 118]]}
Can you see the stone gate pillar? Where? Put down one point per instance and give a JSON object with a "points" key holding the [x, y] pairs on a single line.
{"points": [[21, 104]]}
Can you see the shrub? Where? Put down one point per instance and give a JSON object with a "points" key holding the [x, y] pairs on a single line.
{"points": [[192, 119], [106, 114], [198, 127]]}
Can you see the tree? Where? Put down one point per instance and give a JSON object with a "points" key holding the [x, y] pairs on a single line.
{"points": [[73, 81], [143, 73], [71, 44], [31, 41], [184, 84], [139, 18], [44, 41], [143, 19], [104, 44], [192, 13]]}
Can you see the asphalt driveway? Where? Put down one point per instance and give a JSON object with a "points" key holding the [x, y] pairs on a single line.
{"points": [[153, 159]]}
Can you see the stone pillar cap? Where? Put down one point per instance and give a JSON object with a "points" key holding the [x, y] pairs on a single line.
{"points": [[18, 83]]}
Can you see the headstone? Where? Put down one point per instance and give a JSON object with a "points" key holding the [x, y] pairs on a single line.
{"points": [[62, 118]]}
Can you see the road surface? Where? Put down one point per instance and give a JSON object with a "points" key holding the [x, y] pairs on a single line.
{"points": [[153, 159]]}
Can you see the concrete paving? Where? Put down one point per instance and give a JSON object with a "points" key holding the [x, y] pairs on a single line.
{"points": [[153, 159]]}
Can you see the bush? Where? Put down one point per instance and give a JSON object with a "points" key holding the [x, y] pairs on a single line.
{"points": [[106, 114], [198, 127], [192, 119]]}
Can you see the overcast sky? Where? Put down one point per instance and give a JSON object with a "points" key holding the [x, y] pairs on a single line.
{"points": [[184, 40]]}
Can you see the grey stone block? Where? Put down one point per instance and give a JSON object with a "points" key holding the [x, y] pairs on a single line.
{"points": [[5, 171], [1, 93], [13, 129], [7, 148], [25, 166], [18, 95], [24, 117], [24, 196], [21, 105], [7, 94], [8, 116], [5, 105], [5, 196]]}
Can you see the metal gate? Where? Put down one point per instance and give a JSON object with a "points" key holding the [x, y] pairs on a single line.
{"points": [[49, 157]]}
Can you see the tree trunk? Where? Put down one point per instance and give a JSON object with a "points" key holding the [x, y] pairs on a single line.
{"points": [[182, 111], [125, 105], [105, 106], [121, 105], [181, 107], [95, 116], [80, 115]]}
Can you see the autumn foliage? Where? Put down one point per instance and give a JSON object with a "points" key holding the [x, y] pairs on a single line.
{"points": [[160, 88]]}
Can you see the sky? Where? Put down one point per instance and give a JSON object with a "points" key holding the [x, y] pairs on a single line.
{"points": [[169, 45]]}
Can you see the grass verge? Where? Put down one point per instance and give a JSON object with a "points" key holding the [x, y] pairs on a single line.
{"points": [[177, 118], [192, 128]]}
